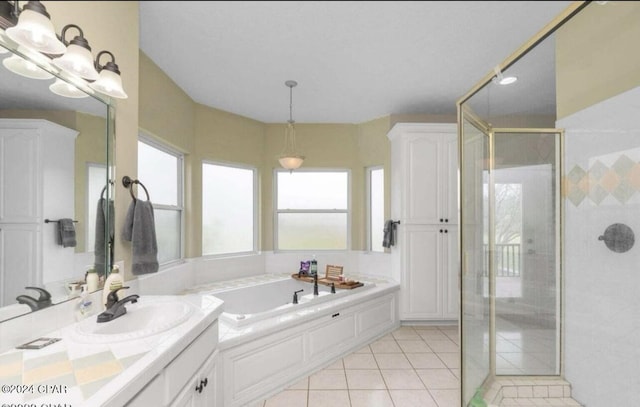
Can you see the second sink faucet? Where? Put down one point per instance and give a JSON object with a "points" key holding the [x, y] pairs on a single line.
{"points": [[315, 284]]}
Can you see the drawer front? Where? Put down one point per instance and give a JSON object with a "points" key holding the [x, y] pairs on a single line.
{"points": [[186, 364]]}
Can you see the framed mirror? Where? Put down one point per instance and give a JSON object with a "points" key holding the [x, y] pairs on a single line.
{"points": [[56, 212]]}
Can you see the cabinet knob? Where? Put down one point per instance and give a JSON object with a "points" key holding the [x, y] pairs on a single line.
{"points": [[441, 220], [446, 220], [440, 230], [199, 388], [446, 231], [205, 382]]}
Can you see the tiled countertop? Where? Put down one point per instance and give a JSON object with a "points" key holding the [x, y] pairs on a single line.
{"points": [[75, 374]]}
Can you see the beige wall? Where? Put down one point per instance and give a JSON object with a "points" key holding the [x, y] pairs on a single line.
{"points": [[113, 26], [597, 55]]}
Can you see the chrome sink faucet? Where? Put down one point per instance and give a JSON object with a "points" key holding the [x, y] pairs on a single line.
{"points": [[115, 307]]}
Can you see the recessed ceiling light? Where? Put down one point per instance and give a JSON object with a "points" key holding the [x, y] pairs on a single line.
{"points": [[500, 79]]}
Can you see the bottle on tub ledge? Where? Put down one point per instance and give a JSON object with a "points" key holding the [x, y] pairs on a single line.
{"points": [[113, 282], [313, 269]]}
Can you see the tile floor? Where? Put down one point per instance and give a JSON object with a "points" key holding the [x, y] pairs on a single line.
{"points": [[410, 367]]}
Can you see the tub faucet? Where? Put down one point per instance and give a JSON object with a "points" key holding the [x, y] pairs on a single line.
{"points": [[43, 301], [115, 307], [295, 296], [315, 284]]}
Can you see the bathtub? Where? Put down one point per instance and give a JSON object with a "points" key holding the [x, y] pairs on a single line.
{"points": [[249, 304], [267, 343]]}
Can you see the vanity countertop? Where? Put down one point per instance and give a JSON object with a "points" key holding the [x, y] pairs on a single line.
{"points": [[73, 374]]}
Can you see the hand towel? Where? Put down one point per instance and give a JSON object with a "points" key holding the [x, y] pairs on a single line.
{"points": [[104, 233], [139, 228], [389, 238], [66, 232]]}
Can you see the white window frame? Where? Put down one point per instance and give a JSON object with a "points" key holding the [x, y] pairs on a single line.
{"points": [[277, 211], [256, 224], [368, 171], [146, 139]]}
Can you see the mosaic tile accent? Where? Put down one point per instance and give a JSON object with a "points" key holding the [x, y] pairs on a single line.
{"points": [[621, 181]]}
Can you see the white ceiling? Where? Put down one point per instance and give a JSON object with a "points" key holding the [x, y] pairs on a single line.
{"points": [[354, 60]]}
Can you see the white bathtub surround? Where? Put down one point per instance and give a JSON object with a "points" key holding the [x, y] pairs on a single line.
{"points": [[263, 357], [601, 287]]}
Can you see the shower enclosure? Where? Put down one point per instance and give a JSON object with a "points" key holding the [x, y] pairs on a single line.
{"points": [[549, 199]]}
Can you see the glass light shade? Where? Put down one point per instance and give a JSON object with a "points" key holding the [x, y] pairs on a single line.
{"points": [[62, 88], [77, 61], [35, 30], [109, 83], [21, 66], [505, 80], [291, 162]]}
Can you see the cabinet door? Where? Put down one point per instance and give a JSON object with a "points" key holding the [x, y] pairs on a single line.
{"points": [[209, 381], [451, 273], [448, 175], [421, 295], [19, 250], [19, 173], [420, 187]]}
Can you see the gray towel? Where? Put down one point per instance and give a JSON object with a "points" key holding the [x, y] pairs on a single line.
{"points": [[104, 233], [66, 233], [140, 229], [389, 238]]}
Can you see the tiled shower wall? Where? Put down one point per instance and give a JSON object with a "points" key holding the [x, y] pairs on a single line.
{"points": [[602, 287]]}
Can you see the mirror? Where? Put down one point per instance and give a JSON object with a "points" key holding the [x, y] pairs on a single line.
{"points": [[54, 161]]}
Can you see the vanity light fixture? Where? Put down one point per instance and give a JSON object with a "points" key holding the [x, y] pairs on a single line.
{"points": [[290, 159], [109, 82], [77, 60], [35, 29], [501, 79], [66, 89], [21, 66]]}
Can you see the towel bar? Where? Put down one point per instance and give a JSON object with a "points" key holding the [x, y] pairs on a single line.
{"points": [[128, 183], [56, 221]]}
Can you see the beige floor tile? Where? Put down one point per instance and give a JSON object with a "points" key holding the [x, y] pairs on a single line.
{"points": [[370, 398], [450, 359], [364, 349], [328, 380], [387, 337], [335, 365], [413, 346], [425, 361], [402, 379], [435, 335], [257, 404], [329, 398], [288, 398], [365, 380], [412, 398], [360, 361], [300, 385], [392, 361], [405, 332], [385, 347], [438, 379], [442, 345], [446, 398]]}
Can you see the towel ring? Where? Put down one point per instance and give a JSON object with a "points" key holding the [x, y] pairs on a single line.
{"points": [[105, 188], [128, 183]]}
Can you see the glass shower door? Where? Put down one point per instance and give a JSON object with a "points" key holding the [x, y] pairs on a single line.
{"points": [[475, 304]]}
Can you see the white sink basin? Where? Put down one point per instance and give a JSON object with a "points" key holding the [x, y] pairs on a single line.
{"points": [[149, 316]]}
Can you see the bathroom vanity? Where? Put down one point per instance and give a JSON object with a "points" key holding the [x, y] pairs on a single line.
{"points": [[159, 360]]}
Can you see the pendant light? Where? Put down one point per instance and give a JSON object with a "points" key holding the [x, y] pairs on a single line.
{"points": [[77, 60], [35, 30], [290, 159], [109, 82]]}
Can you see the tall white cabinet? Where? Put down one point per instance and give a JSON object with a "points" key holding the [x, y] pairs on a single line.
{"points": [[36, 183], [424, 198]]}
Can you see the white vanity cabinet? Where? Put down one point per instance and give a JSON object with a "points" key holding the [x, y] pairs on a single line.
{"points": [[424, 198], [37, 159], [190, 379]]}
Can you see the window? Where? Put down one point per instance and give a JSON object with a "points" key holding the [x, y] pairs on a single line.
{"points": [[312, 210], [229, 209], [375, 208], [160, 170]]}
